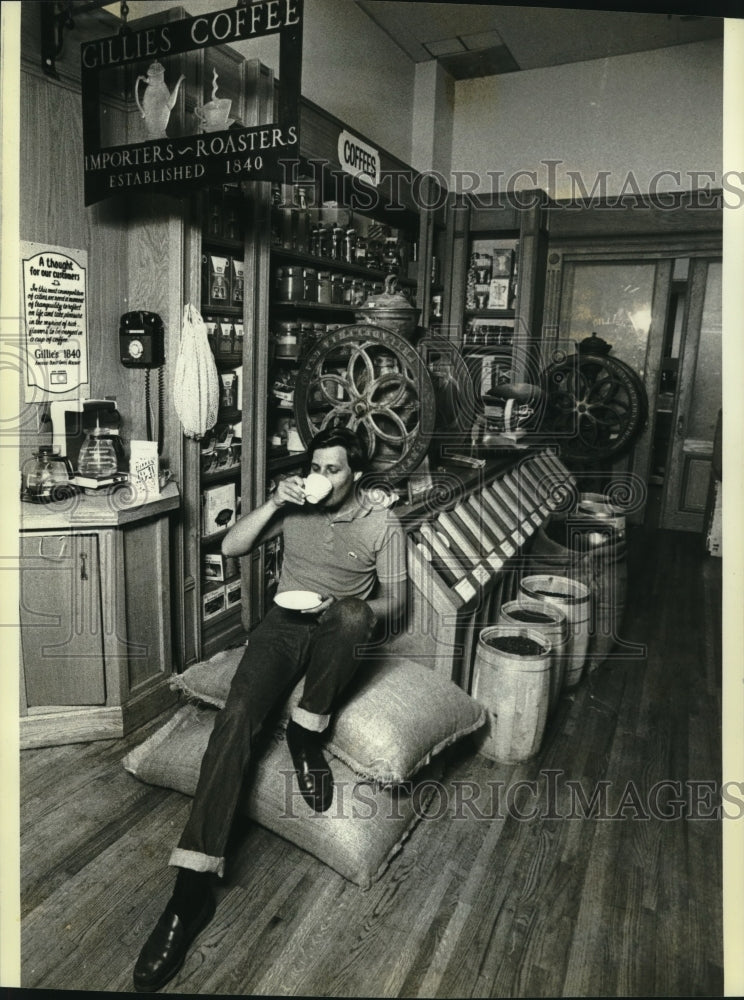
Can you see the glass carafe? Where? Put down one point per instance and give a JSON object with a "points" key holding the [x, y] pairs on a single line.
{"points": [[46, 475], [98, 457]]}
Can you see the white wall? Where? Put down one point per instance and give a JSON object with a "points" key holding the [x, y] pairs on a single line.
{"points": [[633, 116], [353, 70]]}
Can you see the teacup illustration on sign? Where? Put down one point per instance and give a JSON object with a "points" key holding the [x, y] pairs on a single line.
{"points": [[157, 101], [214, 115]]}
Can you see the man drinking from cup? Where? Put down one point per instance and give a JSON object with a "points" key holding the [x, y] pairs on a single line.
{"points": [[351, 555]]}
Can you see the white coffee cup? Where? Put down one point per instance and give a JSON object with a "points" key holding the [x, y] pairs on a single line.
{"points": [[316, 487], [214, 114]]}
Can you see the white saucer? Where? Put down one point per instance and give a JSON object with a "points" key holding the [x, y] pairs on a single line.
{"points": [[298, 600]]}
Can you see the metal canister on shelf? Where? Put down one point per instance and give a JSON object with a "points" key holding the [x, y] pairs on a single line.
{"points": [[347, 282], [324, 287], [310, 278], [337, 289], [287, 339], [290, 283]]}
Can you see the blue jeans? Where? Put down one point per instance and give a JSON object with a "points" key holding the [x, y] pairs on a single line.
{"points": [[284, 645]]}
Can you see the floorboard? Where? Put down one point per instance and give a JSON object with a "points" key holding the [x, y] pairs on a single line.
{"points": [[591, 870]]}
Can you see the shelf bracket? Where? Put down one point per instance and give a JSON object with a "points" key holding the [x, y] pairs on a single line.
{"points": [[55, 17]]}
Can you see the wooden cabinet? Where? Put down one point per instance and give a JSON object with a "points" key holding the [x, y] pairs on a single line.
{"points": [[95, 617], [60, 609], [497, 250]]}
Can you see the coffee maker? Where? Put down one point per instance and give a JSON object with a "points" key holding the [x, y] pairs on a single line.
{"points": [[94, 446]]}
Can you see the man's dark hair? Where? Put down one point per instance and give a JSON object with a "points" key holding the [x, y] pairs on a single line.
{"points": [[341, 437]]}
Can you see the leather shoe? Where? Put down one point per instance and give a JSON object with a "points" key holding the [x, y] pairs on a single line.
{"points": [[314, 776], [164, 951]]}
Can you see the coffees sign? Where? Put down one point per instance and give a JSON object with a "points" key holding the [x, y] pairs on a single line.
{"points": [[215, 147], [359, 159]]}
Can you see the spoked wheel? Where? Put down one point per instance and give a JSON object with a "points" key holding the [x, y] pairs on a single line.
{"points": [[597, 405], [373, 381]]}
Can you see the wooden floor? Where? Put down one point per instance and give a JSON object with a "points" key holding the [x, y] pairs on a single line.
{"points": [[485, 906]]}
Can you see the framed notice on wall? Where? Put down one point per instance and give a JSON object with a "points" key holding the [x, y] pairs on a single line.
{"points": [[54, 310]]}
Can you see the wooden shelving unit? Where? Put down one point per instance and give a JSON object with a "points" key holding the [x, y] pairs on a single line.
{"points": [[497, 227]]}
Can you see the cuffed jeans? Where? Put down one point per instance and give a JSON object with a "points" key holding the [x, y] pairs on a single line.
{"points": [[285, 645]]}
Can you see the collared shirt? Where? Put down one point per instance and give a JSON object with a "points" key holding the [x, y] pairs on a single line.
{"points": [[344, 554]]}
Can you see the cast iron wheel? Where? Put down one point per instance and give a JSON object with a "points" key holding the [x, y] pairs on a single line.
{"points": [[373, 381], [596, 404]]}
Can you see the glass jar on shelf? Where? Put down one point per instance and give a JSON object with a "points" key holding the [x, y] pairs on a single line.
{"points": [[350, 238], [310, 279], [360, 251], [391, 260], [337, 289], [313, 242], [290, 283], [323, 241], [324, 287], [337, 243], [307, 336], [287, 339]]}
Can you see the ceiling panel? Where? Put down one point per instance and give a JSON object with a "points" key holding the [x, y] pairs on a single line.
{"points": [[527, 37]]}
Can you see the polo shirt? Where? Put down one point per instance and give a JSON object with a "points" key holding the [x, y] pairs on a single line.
{"points": [[343, 555]]}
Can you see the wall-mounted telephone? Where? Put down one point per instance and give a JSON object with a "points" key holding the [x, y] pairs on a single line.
{"points": [[142, 345], [141, 340]]}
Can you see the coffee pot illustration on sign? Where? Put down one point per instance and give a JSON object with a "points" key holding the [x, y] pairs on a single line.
{"points": [[157, 101]]}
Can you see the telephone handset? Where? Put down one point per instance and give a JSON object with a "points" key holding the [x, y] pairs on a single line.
{"points": [[142, 345], [141, 340]]}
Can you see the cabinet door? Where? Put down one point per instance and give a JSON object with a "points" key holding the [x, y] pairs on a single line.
{"points": [[60, 615]]}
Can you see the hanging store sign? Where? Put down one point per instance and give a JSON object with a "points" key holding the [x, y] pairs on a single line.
{"points": [[358, 158], [54, 295], [210, 147]]}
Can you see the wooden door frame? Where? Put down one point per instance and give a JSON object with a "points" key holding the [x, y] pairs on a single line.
{"points": [[691, 450], [564, 255]]}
